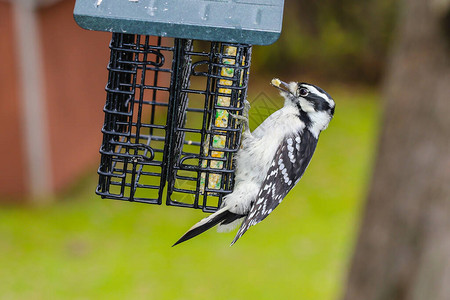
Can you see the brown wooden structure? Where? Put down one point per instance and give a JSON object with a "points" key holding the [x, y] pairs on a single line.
{"points": [[60, 69]]}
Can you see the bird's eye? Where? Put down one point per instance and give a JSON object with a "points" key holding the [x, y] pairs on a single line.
{"points": [[303, 92]]}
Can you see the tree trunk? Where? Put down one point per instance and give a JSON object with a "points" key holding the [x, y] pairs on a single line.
{"points": [[403, 249]]}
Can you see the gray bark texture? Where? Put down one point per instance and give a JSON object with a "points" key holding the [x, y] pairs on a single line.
{"points": [[403, 248]]}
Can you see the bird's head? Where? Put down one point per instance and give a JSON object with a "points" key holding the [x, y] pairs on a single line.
{"points": [[315, 106]]}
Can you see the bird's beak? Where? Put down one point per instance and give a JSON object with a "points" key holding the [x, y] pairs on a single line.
{"points": [[281, 85]]}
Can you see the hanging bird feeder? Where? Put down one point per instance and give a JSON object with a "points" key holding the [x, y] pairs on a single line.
{"points": [[177, 70]]}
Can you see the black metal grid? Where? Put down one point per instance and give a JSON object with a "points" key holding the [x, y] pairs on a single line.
{"points": [[167, 120]]}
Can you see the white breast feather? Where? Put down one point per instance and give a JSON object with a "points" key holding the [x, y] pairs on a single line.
{"points": [[254, 159]]}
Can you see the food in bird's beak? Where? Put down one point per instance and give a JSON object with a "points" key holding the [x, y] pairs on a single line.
{"points": [[276, 82], [281, 85]]}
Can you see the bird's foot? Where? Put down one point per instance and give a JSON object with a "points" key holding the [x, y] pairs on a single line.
{"points": [[243, 119]]}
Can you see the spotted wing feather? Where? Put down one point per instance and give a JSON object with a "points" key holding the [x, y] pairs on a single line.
{"points": [[288, 165]]}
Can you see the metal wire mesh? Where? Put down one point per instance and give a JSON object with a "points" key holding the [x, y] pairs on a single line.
{"points": [[167, 120]]}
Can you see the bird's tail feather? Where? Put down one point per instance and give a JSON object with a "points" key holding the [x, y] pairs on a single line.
{"points": [[223, 215], [229, 226]]}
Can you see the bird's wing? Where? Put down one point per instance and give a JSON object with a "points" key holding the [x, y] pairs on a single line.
{"points": [[288, 165]]}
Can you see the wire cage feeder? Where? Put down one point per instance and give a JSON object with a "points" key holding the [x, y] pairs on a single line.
{"points": [[168, 133]]}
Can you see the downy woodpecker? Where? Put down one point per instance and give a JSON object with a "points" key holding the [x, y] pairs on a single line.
{"points": [[272, 158]]}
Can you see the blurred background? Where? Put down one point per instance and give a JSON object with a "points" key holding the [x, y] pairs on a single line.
{"points": [[369, 220]]}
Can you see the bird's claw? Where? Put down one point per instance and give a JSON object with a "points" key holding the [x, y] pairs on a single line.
{"points": [[240, 118], [243, 119], [246, 108]]}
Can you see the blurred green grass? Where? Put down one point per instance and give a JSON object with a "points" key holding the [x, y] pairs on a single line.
{"points": [[82, 247]]}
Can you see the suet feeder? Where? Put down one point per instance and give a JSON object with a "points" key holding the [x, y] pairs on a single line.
{"points": [[177, 70]]}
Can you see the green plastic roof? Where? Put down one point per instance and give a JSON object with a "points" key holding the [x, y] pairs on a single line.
{"points": [[255, 22]]}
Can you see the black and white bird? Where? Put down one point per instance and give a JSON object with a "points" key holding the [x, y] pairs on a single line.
{"points": [[272, 158]]}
